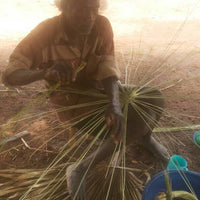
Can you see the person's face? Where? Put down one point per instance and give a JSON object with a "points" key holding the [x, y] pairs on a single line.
{"points": [[81, 15]]}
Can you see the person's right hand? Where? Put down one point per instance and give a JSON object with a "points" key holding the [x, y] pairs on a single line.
{"points": [[61, 73], [116, 122]]}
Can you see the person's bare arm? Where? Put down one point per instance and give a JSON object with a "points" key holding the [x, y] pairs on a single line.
{"points": [[27, 55], [59, 73], [114, 116], [24, 76]]}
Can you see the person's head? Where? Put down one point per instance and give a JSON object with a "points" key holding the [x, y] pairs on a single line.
{"points": [[80, 14]]}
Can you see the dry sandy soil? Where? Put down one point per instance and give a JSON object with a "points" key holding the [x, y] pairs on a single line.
{"points": [[173, 47]]}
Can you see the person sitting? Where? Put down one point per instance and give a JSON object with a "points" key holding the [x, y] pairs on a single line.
{"points": [[76, 49]]}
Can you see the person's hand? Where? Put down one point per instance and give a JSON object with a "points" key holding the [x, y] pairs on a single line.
{"points": [[115, 121], [61, 73]]}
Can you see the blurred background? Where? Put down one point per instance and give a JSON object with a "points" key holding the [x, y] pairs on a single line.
{"points": [[152, 21]]}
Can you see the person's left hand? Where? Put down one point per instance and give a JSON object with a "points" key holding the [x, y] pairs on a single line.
{"points": [[115, 121], [61, 73]]}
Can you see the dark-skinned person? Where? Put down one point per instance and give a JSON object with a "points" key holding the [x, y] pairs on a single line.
{"points": [[76, 49]]}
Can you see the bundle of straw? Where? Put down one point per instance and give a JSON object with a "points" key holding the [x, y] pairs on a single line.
{"points": [[103, 183]]}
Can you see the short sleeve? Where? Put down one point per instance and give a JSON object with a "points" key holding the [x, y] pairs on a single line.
{"points": [[107, 66], [27, 54]]}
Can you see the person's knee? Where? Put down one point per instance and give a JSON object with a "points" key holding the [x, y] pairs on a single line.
{"points": [[144, 92], [153, 96], [148, 103]]}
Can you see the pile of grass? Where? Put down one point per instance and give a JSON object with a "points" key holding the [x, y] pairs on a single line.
{"points": [[50, 183], [116, 181]]}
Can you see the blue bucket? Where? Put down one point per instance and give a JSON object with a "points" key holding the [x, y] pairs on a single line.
{"points": [[196, 138], [157, 183]]}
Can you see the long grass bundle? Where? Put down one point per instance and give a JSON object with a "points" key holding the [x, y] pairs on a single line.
{"points": [[50, 183], [104, 182], [16, 182]]}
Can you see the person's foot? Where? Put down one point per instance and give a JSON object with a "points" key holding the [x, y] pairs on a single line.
{"points": [[76, 179], [158, 150]]}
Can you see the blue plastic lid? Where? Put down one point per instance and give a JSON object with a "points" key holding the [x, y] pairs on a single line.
{"points": [[177, 162]]}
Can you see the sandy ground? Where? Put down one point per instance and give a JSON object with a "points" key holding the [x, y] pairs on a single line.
{"points": [[172, 48]]}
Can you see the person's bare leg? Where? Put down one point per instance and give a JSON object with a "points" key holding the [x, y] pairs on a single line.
{"points": [[141, 130], [157, 149], [76, 174]]}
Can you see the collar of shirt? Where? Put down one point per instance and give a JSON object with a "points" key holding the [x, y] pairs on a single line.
{"points": [[62, 38], [61, 35]]}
